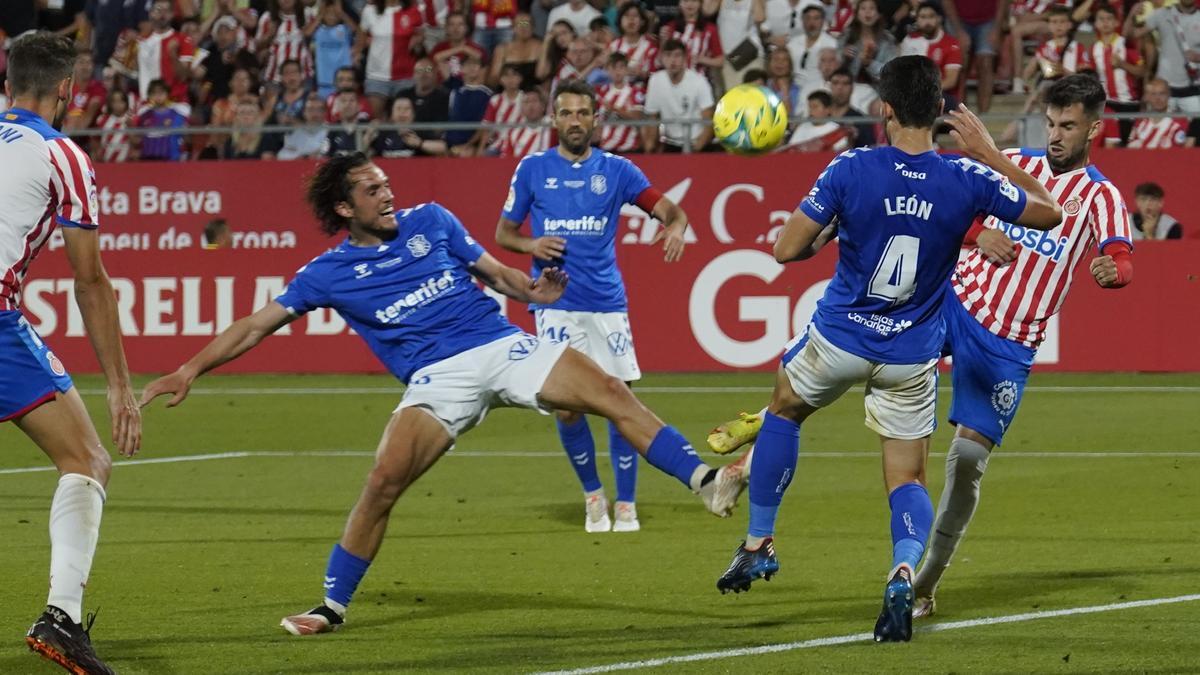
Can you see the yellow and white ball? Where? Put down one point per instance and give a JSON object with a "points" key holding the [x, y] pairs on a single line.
{"points": [[750, 119]]}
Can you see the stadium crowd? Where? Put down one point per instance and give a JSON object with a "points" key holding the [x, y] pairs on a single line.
{"points": [[332, 70]]}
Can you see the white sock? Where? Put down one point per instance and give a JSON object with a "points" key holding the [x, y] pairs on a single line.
{"points": [[74, 530], [965, 463], [697, 479]]}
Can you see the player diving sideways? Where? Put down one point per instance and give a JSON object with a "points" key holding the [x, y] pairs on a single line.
{"points": [[998, 302], [403, 281]]}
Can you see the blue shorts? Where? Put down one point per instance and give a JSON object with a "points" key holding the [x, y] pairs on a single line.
{"points": [[978, 33], [30, 374], [988, 374]]}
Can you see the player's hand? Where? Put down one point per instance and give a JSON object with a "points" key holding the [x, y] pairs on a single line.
{"points": [[673, 243], [177, 383], [970, 134], [549, 287], [1104, 271], [996, 246], [549, 248], [126, 419]]}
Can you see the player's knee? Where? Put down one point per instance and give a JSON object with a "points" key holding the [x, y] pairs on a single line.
{"points": [[100, 463], [568, 416], [973, 436], [386, 483]]}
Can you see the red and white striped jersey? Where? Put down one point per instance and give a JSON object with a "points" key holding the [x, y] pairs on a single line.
{"points": [[1119, 85], [943, 49], [45, 181], [1157, 133], [1016, 300], [523, 141], [642, 54], [566, 71], [288, 44], [114, 146], [621, 137], [502, 110], [433, 12], [388, 57], [1072, 56], [154, 62], [699, 41]]}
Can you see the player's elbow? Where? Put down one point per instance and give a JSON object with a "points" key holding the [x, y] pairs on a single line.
{"points": [[784, 252]]}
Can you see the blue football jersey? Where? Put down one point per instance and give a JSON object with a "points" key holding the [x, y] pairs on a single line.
{"points": [[580, 202], [901, 219], [412, 299]]}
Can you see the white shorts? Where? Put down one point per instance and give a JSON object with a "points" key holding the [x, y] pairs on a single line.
{"points": [[604, 337], [459, 391], [901, 399]]}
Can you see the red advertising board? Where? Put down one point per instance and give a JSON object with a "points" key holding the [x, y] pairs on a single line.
{"points": [[726, 305]]}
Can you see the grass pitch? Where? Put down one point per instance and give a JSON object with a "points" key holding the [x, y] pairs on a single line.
{"points": [[486, 566]]}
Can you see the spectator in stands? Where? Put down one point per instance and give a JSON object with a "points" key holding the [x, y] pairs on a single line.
{"points": [[1119, 65], [620, 99], [407, 142], [780, 80], [784, 21], [87, 96], [1061, 54], [287, 106], [1178, 29], [244, 17], [248, 140], [163, 146], [346, 79], [867, 45], [601, 35], [468, 103], [242, 89], [841, 88], [114, 145], [554, 50], [536, 136], [213, 66], [578, 13], [431, 102], [931, 40], [699, 36], [1027, 20], [662, 11], [1149, 221], [806, 47], [344, 138], [493, 22], [449, 54], [503, 108], [306, 141], [756, 76], [677, 92], [639, 49], [282, 35], [393, 30], [977, 25], [817, 133], [737, 28], [166, 55], [333, 45], [1159, 132], [109, 19], [216, 235], [521, 53], [579, 63]]}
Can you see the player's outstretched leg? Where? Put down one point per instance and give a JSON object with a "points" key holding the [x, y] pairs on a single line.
{"points": [[912, 516], [63, 430], [576, 439], [625, 469], [413, 442], [577, 383], [966, 461]]}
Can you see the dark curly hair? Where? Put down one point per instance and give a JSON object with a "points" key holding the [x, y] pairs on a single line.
{"points": [[329, 186]]}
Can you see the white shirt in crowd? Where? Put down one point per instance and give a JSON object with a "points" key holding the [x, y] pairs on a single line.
{"points": [[578, 18], [785, 17], [686, 99], [806, 58], [735, 24]]}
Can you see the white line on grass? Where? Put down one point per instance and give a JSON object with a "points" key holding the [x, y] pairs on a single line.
{"points": [[357, 391], [510, 454], [866, 637]]}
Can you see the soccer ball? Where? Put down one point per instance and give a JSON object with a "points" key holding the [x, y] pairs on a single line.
{"points": [[749, 119]]}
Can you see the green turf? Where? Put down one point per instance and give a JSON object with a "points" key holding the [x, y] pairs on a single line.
{"points": [[486, 566]]}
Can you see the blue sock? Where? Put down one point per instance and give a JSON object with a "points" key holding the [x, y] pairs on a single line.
{"points": [[771, 470], [342, 575], [912, 517], [625, 464], [577, 441], [671, 453]]}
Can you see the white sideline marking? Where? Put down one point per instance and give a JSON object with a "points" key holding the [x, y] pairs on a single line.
{"points": [[356, 391], [867, 637], [544, 454]]}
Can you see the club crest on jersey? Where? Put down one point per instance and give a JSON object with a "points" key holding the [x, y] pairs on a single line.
{"points": [[599, 184], [1072, 206], [56, 366], [523, 348], [618, 343], [419, 246], [1004, 397]]}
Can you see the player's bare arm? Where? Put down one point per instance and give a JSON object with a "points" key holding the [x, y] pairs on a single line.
{"points": [[98, 306], [519, 286], [1041, 212], [508, 235], [675, 222], [802, 237], [234, 341]]}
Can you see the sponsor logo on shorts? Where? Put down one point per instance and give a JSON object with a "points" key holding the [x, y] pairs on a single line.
{"points": [[1004, 397], [884, 325], [599, 184], [424, 379], [618, 343], [419, 246], [56, 366], [523, 348]]}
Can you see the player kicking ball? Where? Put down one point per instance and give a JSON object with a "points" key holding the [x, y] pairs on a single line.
{"points": [[46, 181], [573, 195], [900, 213], [403, 281]]}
